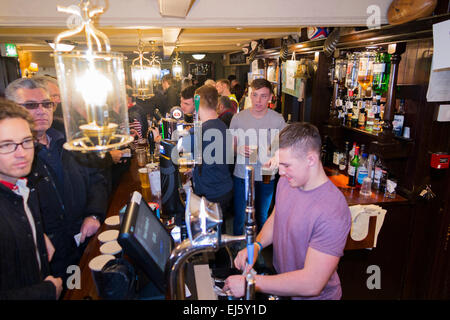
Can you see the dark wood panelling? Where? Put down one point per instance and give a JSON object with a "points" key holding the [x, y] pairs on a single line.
{"points": [[413, 253]]}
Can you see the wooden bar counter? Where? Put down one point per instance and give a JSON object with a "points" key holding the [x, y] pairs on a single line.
{"points": [[353, 197], [121, 195], [130, 182]]}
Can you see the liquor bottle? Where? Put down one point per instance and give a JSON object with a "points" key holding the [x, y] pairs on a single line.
{"points": [[362, 149], [351, 153], [363, 170], [336, 158], [351, 77], [371, 165], [352, 168], [381, 71], [348, 121], [362, 117], [370, 120], [344, 159], [365, 71], [383, 179], [399, 119], [354, 121], [378, 173]]}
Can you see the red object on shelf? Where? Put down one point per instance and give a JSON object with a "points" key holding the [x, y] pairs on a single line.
{"points": [[440, 160]]}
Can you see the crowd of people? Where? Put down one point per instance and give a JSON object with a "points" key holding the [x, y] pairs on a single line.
{"points": [[50, 196]]}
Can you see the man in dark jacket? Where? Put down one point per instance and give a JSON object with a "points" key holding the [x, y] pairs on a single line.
{"points": [[72, 196], [24, 268], [171, 94]]}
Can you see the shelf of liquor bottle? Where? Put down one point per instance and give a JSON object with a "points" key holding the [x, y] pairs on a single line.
{"points": [[365, 132], [352, 194], [376, 134]]}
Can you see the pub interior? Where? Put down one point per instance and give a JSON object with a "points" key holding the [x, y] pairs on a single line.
{"points": [[372, 76]]}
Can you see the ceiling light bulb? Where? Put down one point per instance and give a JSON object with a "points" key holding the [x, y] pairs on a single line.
{"points": [[198, 56]]}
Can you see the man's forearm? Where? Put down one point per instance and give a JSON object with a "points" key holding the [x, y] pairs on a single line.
{"points": [[289, 284], [265, 236]]}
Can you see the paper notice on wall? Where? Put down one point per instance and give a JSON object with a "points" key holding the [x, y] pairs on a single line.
{"points": [[291, 68], [438, 87], [441, 46]]}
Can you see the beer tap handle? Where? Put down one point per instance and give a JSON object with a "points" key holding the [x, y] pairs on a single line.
{"points": [[250, 229]]}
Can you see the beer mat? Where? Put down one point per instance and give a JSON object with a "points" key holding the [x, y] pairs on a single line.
{"points": [[77, 238]]}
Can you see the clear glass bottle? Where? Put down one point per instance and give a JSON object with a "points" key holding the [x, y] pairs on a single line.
{"points": [[378, 173], [363, 170], [351, 77], [340, 72], [365, 71]]}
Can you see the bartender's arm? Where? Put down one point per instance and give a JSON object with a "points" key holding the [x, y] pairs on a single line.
{"points": [[308, 281], [265, 238]]}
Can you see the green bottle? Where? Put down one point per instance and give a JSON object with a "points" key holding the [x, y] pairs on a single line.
{"points": [[381, 70], [353, 168]]}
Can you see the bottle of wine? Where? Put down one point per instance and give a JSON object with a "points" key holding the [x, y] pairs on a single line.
{"points": [[352, 168], [344, 159]]}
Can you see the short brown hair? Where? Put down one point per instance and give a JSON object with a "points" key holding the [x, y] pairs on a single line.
{"points": [[188, 92], [301, 137], [226, 102], [225, 81], [10, 110], [261, 83], [208, 95]]}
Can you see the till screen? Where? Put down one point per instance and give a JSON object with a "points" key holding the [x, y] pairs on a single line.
{"points": [[152, 236]]}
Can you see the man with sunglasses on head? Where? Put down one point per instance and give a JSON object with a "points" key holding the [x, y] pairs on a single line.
{"points": [[72, 196], [24, 248]]}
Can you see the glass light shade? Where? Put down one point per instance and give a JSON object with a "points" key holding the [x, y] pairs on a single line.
{"points": [[142, 81], [94, 100], [156, 72], [177, 71]]}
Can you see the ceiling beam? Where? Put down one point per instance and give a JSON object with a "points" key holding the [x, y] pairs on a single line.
{"points": [[175, 8], [170, 37]]}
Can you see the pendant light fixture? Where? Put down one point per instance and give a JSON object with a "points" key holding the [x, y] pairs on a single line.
{"points": [[92, 85]]}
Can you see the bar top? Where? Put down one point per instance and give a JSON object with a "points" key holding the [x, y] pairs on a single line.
{"points": [[352, 194]]}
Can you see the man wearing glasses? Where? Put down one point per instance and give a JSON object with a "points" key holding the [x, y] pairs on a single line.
{"points": [[72, 196], [24, 249]]}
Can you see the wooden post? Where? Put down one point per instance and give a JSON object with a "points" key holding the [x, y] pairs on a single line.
{"points": [[395, 50]]}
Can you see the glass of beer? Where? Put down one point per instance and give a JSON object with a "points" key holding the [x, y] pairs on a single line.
{"points": [[253, 158], [143, 176], [141, 157], [267, 174]]}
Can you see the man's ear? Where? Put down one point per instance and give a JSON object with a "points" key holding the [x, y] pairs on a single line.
{"points": [[312, 158]]}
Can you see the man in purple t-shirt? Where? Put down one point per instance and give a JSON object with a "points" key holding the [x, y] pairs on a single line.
{"points": [[308, 226]]}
